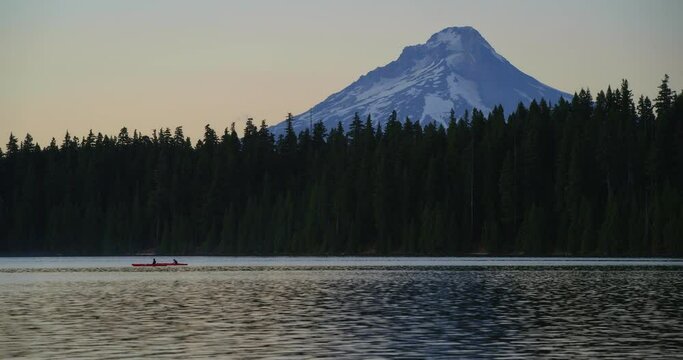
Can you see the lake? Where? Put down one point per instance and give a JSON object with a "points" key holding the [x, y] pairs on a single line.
{"points": [[292, 307]]}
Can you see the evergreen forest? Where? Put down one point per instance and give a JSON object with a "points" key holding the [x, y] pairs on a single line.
{"points": [[587, 176]]}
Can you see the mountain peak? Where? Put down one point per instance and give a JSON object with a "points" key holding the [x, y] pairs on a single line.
{"points": [[454, 36], [461, 40], [455, 69]]}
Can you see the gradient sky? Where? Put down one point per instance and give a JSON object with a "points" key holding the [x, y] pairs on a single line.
{"points": [[101, 65]]}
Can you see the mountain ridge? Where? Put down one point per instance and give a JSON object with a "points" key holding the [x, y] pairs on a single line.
{"points": [[456, 68]]}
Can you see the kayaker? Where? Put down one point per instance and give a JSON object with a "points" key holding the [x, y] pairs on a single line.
{"points": [[154, 261], [175, 261]]}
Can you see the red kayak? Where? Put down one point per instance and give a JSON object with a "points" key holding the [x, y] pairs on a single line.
{"points": [[161, 264]]}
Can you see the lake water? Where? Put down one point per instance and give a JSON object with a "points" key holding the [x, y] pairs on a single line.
{"points": [[101, 307]]}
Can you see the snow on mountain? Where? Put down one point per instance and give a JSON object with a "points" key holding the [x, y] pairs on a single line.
{"points": [[455, 69]]}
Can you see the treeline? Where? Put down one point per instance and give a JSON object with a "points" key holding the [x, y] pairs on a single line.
{"points": [[599, 176]]}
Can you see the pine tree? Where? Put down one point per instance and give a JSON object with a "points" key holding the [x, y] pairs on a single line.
{"points": [[288, 144], [27, 145], [210, 137], [664, 97], [12, 147], [123, 139], [355, 129], [178, 136]]}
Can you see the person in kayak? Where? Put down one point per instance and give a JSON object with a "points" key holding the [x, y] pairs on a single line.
{"points": [[175, 261], [154, 261]]}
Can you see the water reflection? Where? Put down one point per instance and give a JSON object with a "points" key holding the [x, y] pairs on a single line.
{"points": [[344, 312]]}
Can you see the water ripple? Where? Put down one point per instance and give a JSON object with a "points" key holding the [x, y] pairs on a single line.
{"points": [[347, 312]]}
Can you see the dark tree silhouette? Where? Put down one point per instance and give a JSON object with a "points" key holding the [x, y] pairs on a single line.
{"points": [[584, 176]]}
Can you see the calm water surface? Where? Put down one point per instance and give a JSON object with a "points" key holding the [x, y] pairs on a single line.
{"points": [[341, 307]]}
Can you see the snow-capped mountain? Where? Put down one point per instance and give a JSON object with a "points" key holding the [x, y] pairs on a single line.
{"points": [[455, 69]]}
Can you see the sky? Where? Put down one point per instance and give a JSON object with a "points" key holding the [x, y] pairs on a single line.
{"points": [[146, 64]]}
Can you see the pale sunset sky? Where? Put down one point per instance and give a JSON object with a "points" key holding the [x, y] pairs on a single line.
{"points": [[102, 65]]}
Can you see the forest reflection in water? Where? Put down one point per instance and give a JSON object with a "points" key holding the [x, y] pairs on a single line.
{"points": [[342, 312]]}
